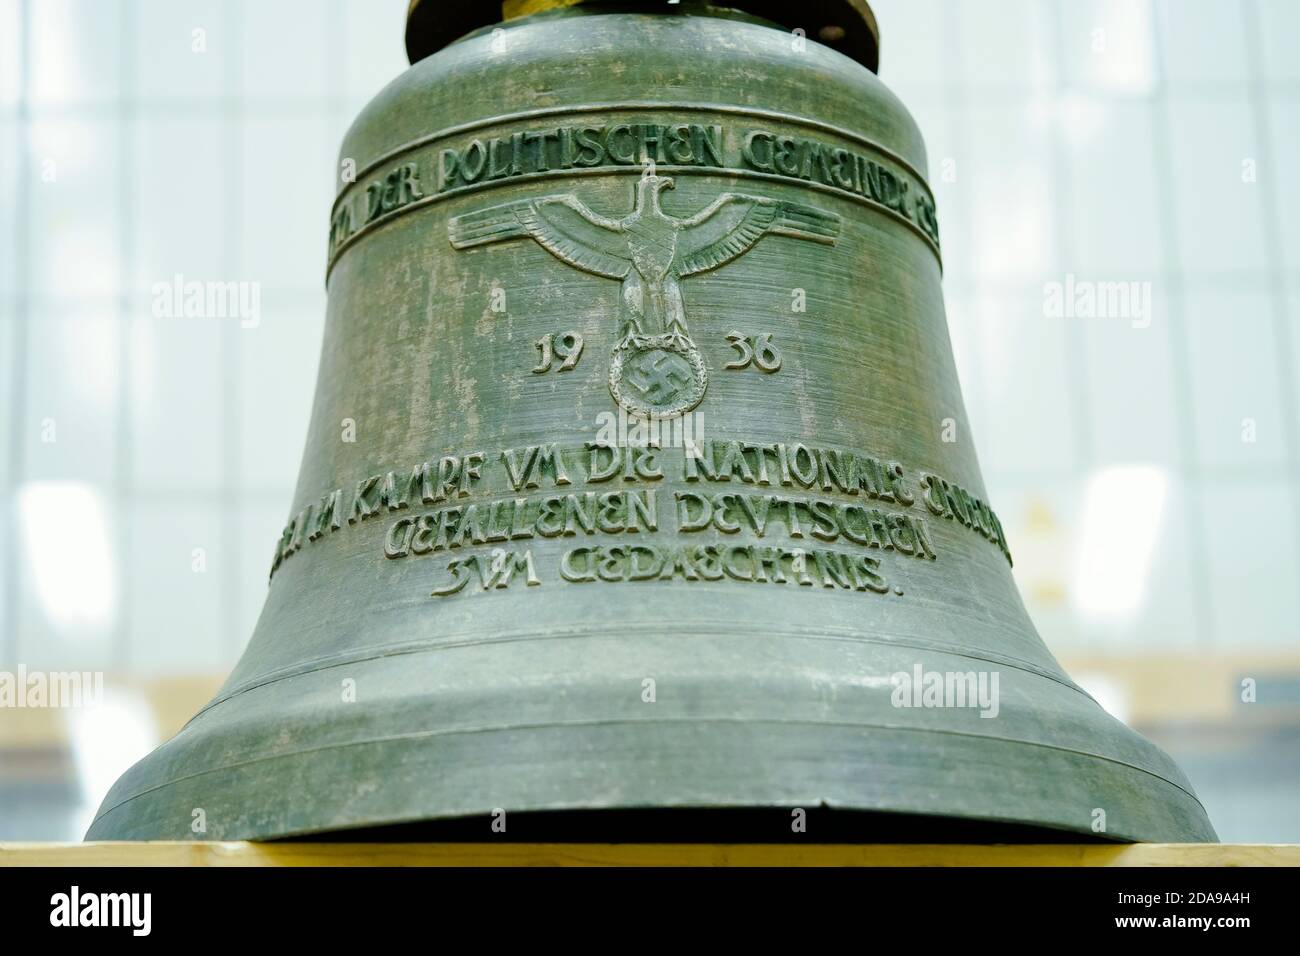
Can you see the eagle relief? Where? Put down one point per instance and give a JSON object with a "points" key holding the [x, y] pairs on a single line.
{"points": [[656, 370]]}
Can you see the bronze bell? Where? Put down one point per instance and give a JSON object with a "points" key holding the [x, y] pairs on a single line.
{"points": [[626, 490]]}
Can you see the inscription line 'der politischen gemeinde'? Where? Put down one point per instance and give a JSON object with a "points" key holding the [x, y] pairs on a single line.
{"points": [[478, 161]]}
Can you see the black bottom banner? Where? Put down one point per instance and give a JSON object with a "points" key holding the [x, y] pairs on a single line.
{"points": [[207, 905]]}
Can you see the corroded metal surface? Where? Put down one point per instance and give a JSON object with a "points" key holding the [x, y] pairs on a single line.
{"points": [[494, 596]]}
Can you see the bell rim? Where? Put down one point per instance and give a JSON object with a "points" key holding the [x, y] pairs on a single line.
{"points": [[250, 759], [783, 770]]}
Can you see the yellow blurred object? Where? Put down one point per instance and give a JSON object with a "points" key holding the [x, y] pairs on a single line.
{"points": [[171, 700], [1039, 518], [511, 9], [1174, 688]]}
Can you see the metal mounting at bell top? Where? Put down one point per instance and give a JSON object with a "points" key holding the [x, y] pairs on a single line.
{"points": [[848, 26]]}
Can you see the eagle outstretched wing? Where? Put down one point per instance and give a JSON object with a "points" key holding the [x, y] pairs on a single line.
{"points": [[731, 225], [563, 225]]}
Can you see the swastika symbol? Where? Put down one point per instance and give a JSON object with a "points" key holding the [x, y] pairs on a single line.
{"points": [[659, 376]]}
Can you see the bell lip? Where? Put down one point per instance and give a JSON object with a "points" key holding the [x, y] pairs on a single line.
{"points": [[659, 824], [1147, 807], [434, 24]]}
